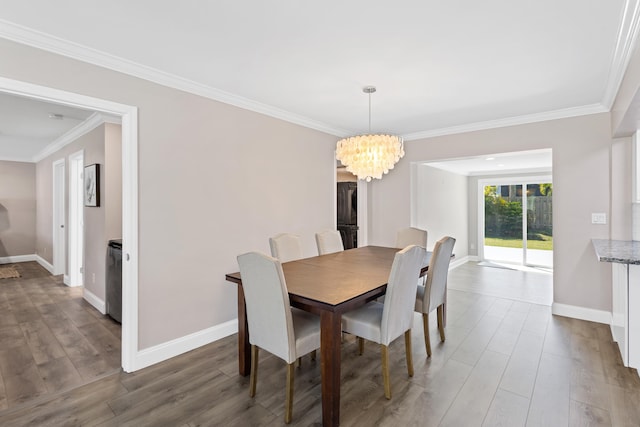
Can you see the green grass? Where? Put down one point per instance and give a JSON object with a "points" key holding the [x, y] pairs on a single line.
{"points": [[545, 245]]}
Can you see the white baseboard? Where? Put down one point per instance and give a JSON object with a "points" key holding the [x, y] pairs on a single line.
{"points": [[17, 258], [66, 280], [457, 262], [92, 299], [582, 313], [169, 349], [44, 263]]}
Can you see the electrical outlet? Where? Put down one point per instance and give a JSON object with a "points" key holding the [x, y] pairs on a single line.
{"points": [[598, 218]]}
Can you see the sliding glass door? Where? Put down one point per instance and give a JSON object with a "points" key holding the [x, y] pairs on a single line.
{"points": [[516, 221]]}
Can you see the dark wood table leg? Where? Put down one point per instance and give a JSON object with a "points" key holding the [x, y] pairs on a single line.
{"points": [[331, 328], [244, 348]]}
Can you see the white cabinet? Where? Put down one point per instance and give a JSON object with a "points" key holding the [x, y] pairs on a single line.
{"points": [[625, 324], [633, 316]]}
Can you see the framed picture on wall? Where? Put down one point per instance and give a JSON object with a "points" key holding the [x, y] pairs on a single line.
{"points": [[92, 185]]}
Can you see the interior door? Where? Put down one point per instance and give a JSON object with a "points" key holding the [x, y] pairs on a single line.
{"points": [[59, 231]]}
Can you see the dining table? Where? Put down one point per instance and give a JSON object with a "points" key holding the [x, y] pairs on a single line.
{"points": [[327, 285]]}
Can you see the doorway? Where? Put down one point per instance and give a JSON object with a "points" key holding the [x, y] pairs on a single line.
{"points": [[130, 357], [76, 219], [515, 221], [59, 246]]}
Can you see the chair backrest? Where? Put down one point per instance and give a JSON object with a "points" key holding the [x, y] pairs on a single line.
{"points": [[411, 236], [267, 301], [399, 301], [329, 242], [286, 247], [436, 283]]}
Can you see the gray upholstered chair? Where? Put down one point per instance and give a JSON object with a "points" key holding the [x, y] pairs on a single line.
{"points": [[286, 247], [329, 242], [383, 323], [274, 325], [411, 236], [433, 294]]}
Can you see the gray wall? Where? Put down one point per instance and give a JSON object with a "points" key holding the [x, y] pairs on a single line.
{"points": [[17, 208], [441, 206], [214, 181], [581, 180]]}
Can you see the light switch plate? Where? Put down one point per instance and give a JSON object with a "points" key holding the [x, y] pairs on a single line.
{"points": [[598, 218]]}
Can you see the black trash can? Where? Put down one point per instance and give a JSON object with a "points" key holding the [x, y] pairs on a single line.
{"points": [[114, 280]]}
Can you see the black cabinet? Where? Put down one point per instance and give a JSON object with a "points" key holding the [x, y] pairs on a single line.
{"points": [[348, 213], [114, 280]]}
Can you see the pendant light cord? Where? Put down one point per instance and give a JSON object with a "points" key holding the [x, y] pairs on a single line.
{"points": [[369, 113]]}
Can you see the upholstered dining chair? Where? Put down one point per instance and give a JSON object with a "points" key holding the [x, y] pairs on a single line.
{"points": [[411, 236], [274, 325], [329, 242], [433, 294], [383, 323], [286, 247]]}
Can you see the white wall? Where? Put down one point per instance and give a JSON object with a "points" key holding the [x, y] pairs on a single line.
{"points": [[441, 206], [621, 189]]}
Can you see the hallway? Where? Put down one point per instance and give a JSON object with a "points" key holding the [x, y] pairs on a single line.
{"points": [[51, 340]]}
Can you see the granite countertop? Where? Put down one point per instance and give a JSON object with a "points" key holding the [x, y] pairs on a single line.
{"points": [[621, 251]]}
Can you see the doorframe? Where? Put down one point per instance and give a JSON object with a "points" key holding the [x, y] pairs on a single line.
{"points": [[59, 250], [76, 219], [363, 217], [514, 180], [131, 360]]}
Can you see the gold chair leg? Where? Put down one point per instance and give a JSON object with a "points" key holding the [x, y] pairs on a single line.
{"points": [[441, 321], [385, 370], [425, 326], [313, 355], [288, 406], [407, 348], [253, 380], [360, 346]]}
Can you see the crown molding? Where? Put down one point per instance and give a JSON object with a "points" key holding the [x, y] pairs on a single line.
{"points": [[625, 45], [95, 120], [630, 24], [40, 40], [16, 159], [510, 121]]}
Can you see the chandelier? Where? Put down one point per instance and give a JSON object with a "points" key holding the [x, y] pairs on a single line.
{"points": [[369, 156]]}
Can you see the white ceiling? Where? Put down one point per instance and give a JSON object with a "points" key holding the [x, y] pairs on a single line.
{"points": [[26, 128], [539, 161], [439, 66]]}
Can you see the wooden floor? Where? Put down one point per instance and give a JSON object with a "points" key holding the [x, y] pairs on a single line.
{"points": [[51, 340], [505, 363], [533, 285]]}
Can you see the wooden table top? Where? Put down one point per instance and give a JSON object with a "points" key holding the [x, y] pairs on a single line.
{"points": [[335, 279]]}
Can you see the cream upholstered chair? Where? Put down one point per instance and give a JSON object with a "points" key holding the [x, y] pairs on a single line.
{"points": [[411, 236], [434, 293], [274, 326], [329, 242], [383, 323], [286, 247]]}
